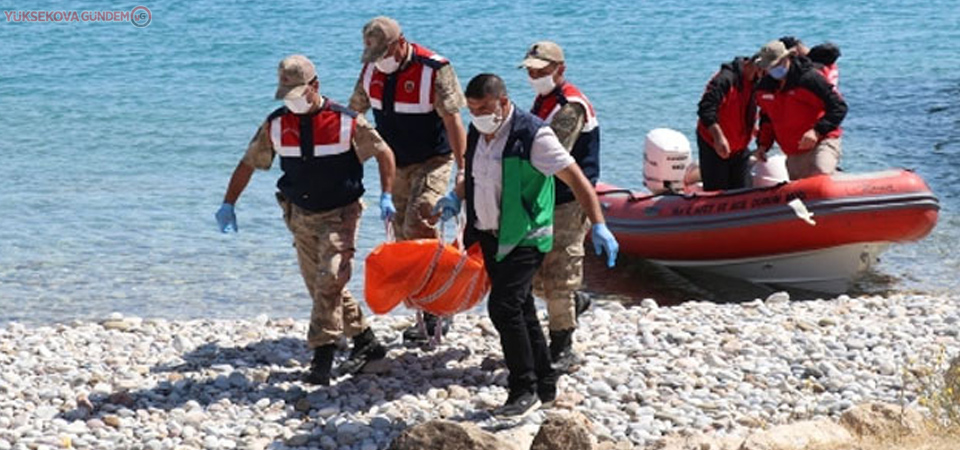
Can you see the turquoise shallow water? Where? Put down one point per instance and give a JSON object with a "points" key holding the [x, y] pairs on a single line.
{"points": [[117, 142]]}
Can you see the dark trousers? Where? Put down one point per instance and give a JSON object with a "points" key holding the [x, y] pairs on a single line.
{"points": [[721, 174], [513, 313]]}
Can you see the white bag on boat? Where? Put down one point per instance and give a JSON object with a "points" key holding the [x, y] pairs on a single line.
{"points": [[771, 172]]}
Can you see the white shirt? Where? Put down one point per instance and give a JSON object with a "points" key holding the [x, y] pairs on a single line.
{"points": [[547, 156]]}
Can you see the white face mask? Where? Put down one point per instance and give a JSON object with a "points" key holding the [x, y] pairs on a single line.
{"points": [[298, 105], [487, 123], [543, 85], [387, 64]]}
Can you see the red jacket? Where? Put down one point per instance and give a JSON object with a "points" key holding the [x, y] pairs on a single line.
{"points": [[728, 100], [805, 100]]}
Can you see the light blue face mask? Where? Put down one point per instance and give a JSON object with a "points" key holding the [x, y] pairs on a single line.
{"points": [[778, 72]]}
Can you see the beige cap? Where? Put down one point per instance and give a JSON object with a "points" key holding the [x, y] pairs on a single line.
{"points": [[541, 54], [378, 34], [294, 76], [770, 54]]}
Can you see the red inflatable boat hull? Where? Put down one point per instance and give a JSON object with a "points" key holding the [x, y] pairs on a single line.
{"points": [[889, 206]]}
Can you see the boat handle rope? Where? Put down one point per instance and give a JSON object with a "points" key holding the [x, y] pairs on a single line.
{"points": [[634, 198]]}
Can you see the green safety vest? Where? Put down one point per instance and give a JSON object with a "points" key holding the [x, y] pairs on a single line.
{"points": [[527, 195]]}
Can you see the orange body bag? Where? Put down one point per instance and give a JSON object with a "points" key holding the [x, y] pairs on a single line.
{"points": [[425, 274]]}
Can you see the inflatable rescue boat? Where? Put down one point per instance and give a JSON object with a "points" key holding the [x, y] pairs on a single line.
{"points": [[816, 233]]}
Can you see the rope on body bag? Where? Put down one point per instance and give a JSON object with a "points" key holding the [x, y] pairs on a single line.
{"points": [[418, 302]]}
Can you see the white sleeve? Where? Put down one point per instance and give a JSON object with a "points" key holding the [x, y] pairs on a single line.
{"points": [[548, 155]]}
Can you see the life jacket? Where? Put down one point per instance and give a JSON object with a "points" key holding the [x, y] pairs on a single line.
{"points": [[831, 73], [737, 112], [321, 170], [527, 195], [586, 150], [402, 104]]}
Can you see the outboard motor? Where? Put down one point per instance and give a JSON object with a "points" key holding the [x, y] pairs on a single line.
{"points": [[666, 155]]}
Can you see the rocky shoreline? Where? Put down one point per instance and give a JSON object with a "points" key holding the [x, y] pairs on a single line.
{"points": [[648, 372]]}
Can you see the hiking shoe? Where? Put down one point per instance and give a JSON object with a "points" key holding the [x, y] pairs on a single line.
{"points": [[581, 302], [567, 363], [319, 372], [518, 405], [563, 359], [414, 334], [366, 348]]}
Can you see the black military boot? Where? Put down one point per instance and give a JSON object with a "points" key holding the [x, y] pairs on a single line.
{"points": [[319, 372], [561, 351], [414, 334], [581, 302], [366, 348]]}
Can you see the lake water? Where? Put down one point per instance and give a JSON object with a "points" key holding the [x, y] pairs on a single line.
{"points": [[117, 142]]}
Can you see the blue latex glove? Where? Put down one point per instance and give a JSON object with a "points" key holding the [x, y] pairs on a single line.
{"points": [[603, 241], [387, 209], [226, 218], [448, 206]]}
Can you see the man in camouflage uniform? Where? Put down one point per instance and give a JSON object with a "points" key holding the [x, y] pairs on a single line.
{"points": [[322, 146], [416, 99], [574, 121]]}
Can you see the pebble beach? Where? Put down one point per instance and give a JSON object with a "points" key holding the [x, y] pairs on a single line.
{"points": [[128, 321], [648, 372]]}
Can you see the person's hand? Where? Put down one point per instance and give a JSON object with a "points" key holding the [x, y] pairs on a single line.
{"points": [[808, 140], [387, 210], [761, 153], [226, 218], [722, 147], [447, 207], [603, 241]]}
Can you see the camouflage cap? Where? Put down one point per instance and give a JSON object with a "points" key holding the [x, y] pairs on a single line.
{"points": [[378, 34], [294, 76], [770, 54], [542, 54]]}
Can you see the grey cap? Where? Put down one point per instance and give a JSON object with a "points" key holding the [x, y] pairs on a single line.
{"points": [[294, 76], [542, 54], [771, 54], [378, 34]]}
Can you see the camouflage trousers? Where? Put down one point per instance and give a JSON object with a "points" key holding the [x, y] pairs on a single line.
{"points": [[562, 271], [326, 243], [416, 189]]}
